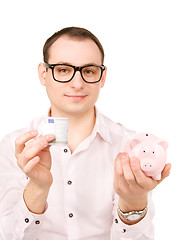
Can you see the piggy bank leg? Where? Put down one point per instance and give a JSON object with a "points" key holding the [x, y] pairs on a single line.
{"points": [[157, 177]]}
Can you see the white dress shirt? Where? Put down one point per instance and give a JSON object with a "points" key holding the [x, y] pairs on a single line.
{"points": [[81, 204]]}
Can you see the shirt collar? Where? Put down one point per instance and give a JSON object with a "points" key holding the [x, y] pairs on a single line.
{"points": [[101, 127]]}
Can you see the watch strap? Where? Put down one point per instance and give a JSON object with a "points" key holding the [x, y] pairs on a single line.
{"points": [[133, 215]]}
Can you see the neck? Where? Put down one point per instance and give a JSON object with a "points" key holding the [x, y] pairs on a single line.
{"points": [[80, 127]]}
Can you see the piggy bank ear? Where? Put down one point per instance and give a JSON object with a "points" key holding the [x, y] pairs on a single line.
{"points": [[134, 142], [163, 144]]}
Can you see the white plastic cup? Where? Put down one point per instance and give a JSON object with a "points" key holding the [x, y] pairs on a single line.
{"points": [[58, 127]]}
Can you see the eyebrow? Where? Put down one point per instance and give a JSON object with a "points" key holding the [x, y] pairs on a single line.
{"points": [[68, 63]]}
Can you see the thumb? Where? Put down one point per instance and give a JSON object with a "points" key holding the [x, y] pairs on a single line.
{"points": [[166, 171]]}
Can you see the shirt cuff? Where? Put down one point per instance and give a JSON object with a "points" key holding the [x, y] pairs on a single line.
{"points": [[27, 224], [143, 228]]}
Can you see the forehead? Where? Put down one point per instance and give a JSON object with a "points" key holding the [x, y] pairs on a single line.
{"points": [[74, 51]]}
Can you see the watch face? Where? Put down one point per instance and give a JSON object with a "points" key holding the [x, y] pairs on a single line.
{"points": [[133, 217]]}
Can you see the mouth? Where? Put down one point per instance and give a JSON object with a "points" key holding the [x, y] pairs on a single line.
{"points": [[76, 97]]}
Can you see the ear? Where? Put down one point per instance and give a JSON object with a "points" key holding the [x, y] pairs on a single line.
{"points": [[134, 142], [163, 144], [103, 79], [42, 73]]}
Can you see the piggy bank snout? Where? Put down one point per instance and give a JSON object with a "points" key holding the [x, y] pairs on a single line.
{"points": [[147, 164]]}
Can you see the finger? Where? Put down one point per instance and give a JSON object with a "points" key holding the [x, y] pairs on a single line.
{"points": [[47, 149], [21, 140], [30, 165], [128, 174], [38, 145], [145, 182], [40, 140], [118, 171]]}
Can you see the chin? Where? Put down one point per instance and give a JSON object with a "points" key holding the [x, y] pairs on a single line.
{"points": [[78, 110]]}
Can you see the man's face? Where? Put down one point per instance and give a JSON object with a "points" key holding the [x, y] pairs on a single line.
{"points": [[75, 97]]}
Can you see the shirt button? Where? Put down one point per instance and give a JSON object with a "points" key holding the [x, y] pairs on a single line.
{"points": [[37, 222], [69, 182], [27, 220], [116, 221], [65, 150], [70, 215]]}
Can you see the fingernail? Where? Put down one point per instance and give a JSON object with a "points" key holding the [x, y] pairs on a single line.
{"points": [[50, 137], [124, 155], [34, 132], [44, 144]]}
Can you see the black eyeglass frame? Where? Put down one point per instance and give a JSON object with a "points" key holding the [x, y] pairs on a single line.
{"points": [[52, 66]]}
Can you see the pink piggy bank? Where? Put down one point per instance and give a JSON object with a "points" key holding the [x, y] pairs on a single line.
{"points": [[150, 150]]}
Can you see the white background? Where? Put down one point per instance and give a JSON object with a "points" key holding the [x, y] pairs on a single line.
{"points": [[142, 42]]}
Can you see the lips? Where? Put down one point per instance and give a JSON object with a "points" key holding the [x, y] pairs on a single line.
{"points": [[76, 97]]}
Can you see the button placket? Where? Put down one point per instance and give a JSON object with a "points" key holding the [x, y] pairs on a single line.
{"points": [[69, 164], [69, 192]]}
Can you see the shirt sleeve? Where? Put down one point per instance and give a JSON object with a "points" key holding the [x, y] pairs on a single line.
{"points": [[143, 230], [16, 221]]}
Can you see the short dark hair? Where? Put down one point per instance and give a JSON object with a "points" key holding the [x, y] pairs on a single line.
{"points": [[74, 32]]}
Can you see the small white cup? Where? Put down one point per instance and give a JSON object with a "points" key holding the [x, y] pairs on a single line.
{"points": [[58, 127]]}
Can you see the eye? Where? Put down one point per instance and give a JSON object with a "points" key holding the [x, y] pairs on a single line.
{"points": [[62, 70], [153, 152], [89, 71], [144, 151]]}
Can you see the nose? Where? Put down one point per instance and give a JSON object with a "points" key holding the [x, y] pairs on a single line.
{"points": [[77, 81]]}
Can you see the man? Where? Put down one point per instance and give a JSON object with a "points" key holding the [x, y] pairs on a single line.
{"points": [[81, 191]]}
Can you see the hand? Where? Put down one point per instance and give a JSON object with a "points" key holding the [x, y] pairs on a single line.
{"points": [[34, 158], [131, 184]]}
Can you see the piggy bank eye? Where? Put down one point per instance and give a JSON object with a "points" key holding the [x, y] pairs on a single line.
{"points": [[144, 151], [153, 152]]}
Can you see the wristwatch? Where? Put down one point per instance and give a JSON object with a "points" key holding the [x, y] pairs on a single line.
{"points": [[133, 215]]}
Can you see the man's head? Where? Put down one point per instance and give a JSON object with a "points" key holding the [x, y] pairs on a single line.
{"points": [[76, 47]]}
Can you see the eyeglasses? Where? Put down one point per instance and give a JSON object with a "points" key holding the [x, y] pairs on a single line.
{"points": [[65, 72]]}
